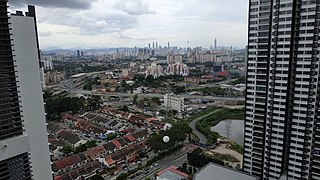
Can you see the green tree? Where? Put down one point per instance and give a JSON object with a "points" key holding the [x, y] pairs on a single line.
{"points": [[149, 79], [81, 148], [124, 108], [91, 144], [93, 103], [66, 149], [198, 159], [122, 176]]}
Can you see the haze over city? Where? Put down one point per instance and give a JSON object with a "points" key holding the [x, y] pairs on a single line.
{"points": [[128, 23], [159, 90]]}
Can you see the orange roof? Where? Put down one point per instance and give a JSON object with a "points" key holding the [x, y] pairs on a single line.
{"points": [[116, 143], [109, 160], [94, 152], [174, 170], [152, 119]]}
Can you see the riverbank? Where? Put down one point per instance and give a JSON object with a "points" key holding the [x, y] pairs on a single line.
{"points": [[204, 124], [202, 138], [231, 129]]}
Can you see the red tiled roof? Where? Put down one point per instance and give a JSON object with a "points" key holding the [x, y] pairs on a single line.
{"points": [[66, 162], [116, 143], [59, 131], [131, 138], [152, 119], [127, 130], [174, 170], [60, 164], [222, 73], [94, 152], [57, 178]]}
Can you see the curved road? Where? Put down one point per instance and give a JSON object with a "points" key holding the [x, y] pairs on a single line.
{"points": [[201, 137]]}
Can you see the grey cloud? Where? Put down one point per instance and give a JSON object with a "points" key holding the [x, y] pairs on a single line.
{"points": [[88, 23], [134, 7], [46, 33], [73, 4]]}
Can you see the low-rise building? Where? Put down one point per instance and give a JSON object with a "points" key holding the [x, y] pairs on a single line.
{"points": [[53, 77], [171, 173]]}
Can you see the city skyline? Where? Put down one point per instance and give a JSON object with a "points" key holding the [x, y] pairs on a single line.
{"points": [[111, 24]]}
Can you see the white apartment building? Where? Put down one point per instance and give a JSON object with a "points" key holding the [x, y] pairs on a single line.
{"points": [[155, 70], [282, 129], [173, 102]]}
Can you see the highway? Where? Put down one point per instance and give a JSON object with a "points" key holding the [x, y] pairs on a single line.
{"points": [[67, 85]]}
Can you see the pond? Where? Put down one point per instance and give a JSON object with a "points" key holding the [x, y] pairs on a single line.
{"points": [[231, 129]]}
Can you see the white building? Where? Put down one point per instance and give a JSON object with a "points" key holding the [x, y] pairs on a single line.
{"points": [[173, 103], [177, 69], [282, 100], [47, 62], [155, 70], [25, 44]]}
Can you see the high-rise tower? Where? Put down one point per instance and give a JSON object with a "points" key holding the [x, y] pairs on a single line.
{"points": [[28, 67], [14, 143], [282, 127]]}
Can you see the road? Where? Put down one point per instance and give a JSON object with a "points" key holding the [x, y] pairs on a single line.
{"points": [[175, 159], [66, 85], [201, 137]]}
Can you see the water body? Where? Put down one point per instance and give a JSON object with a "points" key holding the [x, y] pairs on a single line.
{"points": [[231, 129]]}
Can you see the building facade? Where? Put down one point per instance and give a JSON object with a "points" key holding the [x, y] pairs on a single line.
{"points": [[14, 143], [174, 102], [27, 61], [282, 125]]}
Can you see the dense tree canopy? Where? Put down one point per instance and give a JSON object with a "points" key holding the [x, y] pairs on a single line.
{"points": [[177, 134], [55, 105], [198, 159]]}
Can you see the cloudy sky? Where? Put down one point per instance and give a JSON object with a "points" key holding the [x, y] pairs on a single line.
{"points": [[129, 23]]}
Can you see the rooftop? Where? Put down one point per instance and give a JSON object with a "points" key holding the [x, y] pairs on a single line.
{"points": [[172, 173], [217, 172]]}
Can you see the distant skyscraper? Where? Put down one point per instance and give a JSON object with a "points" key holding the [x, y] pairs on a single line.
{"points": [[152, 45], [282, 122], [156, 45], [25, 45], [149, 46], [78, 53], [168, 44], [215, 44]]}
